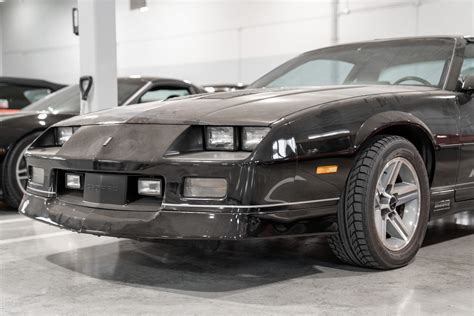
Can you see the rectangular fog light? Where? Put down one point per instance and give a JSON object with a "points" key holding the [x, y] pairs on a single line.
{"points": [[205, 187], [37, 175], [73, 181], [149, 187]]}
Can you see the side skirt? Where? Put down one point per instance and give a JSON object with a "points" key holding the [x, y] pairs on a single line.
{"points": [[443, 202]]}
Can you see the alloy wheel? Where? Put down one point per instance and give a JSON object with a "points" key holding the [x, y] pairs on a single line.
{"points": [[397, 204], [21, 171]]}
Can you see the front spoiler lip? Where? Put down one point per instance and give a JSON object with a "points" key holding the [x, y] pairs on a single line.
{"points": [[161, 224]]}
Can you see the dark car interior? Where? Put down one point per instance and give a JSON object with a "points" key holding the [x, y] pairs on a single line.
{"points": [[16, 93]]}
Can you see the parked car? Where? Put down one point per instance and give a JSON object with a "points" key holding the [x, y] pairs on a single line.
{"points": [[363, 143], [18, 130], [16, 93], [211, 88]]}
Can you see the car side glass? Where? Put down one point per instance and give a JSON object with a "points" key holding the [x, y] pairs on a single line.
{"points": [[161, 94], [36, 94], [467, 68]]}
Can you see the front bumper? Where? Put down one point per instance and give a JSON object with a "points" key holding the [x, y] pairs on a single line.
{"points": [[264, 198], [174, 224]]}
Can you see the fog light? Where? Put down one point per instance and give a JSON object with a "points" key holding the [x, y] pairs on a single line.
{"points": [[37, 175], [205, 187], [73, 181], [150, 187]]}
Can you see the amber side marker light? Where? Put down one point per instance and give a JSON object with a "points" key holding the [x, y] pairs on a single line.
{"points": [[326, 169]]}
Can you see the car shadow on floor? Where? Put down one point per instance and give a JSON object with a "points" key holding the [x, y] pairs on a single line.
{"points": [[233, 266], [5, 209]]}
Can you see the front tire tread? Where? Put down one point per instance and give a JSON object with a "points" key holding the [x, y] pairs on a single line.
{"points": [[350, 245]]}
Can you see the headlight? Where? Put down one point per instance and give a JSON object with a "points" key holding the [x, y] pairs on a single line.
{"points": [[220, 138], [63, 134], [252, 136]]}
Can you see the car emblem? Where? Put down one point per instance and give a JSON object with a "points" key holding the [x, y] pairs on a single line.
{"points": [[107, 141]]}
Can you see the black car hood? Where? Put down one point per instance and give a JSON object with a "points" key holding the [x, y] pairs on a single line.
{"points": [[245, 107], [16, 115], [14, 126]]}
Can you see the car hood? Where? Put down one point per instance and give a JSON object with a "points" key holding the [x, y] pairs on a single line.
{"points": [[5, 116], [245, 107]]}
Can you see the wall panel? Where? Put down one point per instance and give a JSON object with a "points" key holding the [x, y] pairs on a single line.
{"points": [[213, 41]]}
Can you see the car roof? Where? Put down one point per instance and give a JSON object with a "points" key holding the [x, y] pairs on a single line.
{"points": [[152, 79], [469, 38], [223, 85], [399, 39], [31, 83]]}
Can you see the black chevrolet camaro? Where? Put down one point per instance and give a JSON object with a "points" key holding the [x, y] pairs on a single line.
{"points": [[18, 130], [364, 143]]}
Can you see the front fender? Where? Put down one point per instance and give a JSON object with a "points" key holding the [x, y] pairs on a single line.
{"points": [[375, 124]]}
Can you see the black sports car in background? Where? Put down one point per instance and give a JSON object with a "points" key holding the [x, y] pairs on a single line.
{"points": [[18, 130], [364, 143], [16, 93]]}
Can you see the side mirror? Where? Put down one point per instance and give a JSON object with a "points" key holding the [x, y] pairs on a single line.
{"points": [[468, 84]]}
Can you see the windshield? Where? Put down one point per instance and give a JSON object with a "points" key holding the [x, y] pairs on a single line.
{"points": [[399, 62], [67, 100]]}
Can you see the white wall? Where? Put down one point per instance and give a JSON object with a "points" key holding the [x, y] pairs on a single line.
{"points": [[1, 42], [214, 41], [38, 40]]}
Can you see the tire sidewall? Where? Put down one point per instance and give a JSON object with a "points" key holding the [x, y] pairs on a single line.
{"points": [[397, 149]]}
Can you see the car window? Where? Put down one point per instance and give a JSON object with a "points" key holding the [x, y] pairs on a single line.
{"points": [[430, 71], [126, 89], [468, 65], [17, 97], [163, 93], [315, 73], [36, 94], [66, 100], [375, 63]]}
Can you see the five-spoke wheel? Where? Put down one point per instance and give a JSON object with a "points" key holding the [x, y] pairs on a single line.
{"points": [[397, 203], [21, 171], [383, 213]]}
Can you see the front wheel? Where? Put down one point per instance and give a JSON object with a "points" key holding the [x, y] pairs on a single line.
{"points": [[15, 174], [384, 211]]}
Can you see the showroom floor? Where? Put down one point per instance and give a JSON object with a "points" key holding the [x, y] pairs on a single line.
{"points": [[46, 271]]}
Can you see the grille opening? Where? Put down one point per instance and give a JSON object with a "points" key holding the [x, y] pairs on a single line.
{"points": [[132, 200]]}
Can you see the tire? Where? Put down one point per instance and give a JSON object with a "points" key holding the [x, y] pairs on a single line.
{"points": [[375, 229], [12, 191]]}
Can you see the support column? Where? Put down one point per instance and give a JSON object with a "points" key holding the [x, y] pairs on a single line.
{"points": [[335, 22], [1, 40], [98, 52], [335, 38]]}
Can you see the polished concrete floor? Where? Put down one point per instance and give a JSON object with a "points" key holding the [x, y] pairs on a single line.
{"points": [[46, 271]]}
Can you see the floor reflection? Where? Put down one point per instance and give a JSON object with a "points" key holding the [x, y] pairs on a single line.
{"points": [[184, 266], [451, 227], [233, 266]]}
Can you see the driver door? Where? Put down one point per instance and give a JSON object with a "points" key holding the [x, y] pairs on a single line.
{"points": [[465, 183]]}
